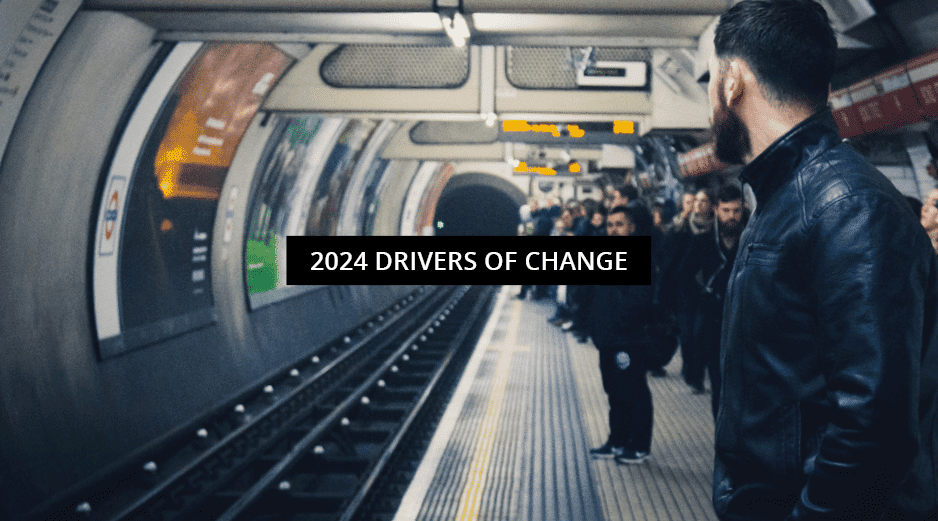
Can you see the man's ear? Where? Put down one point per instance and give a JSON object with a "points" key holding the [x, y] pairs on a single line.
{"points": [[734, 84]]}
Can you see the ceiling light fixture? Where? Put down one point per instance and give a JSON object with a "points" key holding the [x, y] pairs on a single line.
{"points": [[456, 28]]}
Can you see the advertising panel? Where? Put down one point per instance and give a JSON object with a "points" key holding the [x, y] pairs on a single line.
{"points": [[161, 234], [273, 201]]}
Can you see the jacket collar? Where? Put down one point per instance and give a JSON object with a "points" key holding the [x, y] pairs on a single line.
{"points": [[777, 164]]}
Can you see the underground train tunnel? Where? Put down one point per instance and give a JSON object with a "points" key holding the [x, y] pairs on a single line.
{"points": [[478, 205], [155, 157]]}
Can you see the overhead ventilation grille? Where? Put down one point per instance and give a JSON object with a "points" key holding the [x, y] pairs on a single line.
{"points": [[453, 132], [556, 67], [396, 67]]}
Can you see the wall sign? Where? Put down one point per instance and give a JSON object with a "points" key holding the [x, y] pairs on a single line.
{"points": [[28, 31]]}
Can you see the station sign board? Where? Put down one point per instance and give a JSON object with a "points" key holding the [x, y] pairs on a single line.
{"points": [[845, 113], [865, 99], [896, 99], [923, 73]]}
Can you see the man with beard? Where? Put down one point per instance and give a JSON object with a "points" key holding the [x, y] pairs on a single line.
{"points": [[829, 340], [714, 254], [678, 266]]}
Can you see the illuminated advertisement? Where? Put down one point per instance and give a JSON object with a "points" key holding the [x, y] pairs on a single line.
{"points": [[163, 251], [275, 196], [336, 174], [371, 195]]}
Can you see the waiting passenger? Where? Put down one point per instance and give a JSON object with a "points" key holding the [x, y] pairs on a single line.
{"points": [[657, 212], [715, 255], [830, 338], [623, 194], [678, 266], [589, 223], [616, 319], [593, 226], [543, 222], [687, 208]]}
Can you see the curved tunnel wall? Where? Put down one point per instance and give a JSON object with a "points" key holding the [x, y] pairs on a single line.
{"points": [[66, 414]]}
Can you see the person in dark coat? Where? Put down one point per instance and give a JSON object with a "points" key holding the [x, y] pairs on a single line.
{"points": [[830, 324], [617, 316], [677, 291], [715, 254]]}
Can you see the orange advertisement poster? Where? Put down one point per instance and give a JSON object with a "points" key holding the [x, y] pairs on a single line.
{"points": [[217, 99]]}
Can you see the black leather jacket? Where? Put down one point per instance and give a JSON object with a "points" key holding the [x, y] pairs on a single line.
{"points": [[829, 344]]}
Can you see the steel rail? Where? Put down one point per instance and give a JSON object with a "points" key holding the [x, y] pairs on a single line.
{"points": [[355, 502], [301, 447]]}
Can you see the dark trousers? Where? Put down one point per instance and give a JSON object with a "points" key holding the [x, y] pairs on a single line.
{"points": [[693, 362], [707, 328], [630, 407]]}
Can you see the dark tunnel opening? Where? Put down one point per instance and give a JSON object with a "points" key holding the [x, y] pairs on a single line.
{"points": [[476, 210]]}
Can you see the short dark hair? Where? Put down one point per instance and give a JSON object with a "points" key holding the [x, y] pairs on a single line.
{"points": [[589, 207], [789, 45], [627, 190], [708, 192], [638, 215], [729, 193]]}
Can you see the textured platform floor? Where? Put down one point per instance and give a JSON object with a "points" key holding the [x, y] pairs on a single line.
{"points": [[513, 443], [675, 483]]}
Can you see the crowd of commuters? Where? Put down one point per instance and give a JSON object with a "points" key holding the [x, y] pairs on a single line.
{"points": [[692, 255], [814, 308]]}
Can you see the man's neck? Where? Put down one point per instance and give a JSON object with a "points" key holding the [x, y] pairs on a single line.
{"points": [[767, 122]]}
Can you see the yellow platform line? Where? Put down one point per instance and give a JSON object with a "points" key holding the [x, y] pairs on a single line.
{"points": [[471, 497]]}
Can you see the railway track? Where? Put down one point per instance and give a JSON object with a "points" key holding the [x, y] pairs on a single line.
{"points": [[335, 436]]}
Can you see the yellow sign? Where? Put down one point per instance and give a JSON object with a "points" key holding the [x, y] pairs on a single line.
{"points": [[547, 128], [523, 168], [623, 127]]}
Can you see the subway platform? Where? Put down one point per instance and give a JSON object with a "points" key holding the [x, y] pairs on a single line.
{"points": [[513, 443]]}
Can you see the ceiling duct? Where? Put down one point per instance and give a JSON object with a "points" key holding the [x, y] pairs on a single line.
{"points": [[396, 66], [530, 67]]}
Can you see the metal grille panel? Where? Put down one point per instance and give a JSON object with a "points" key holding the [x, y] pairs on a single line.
{"points": [[555, 67], [396, 66]]}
